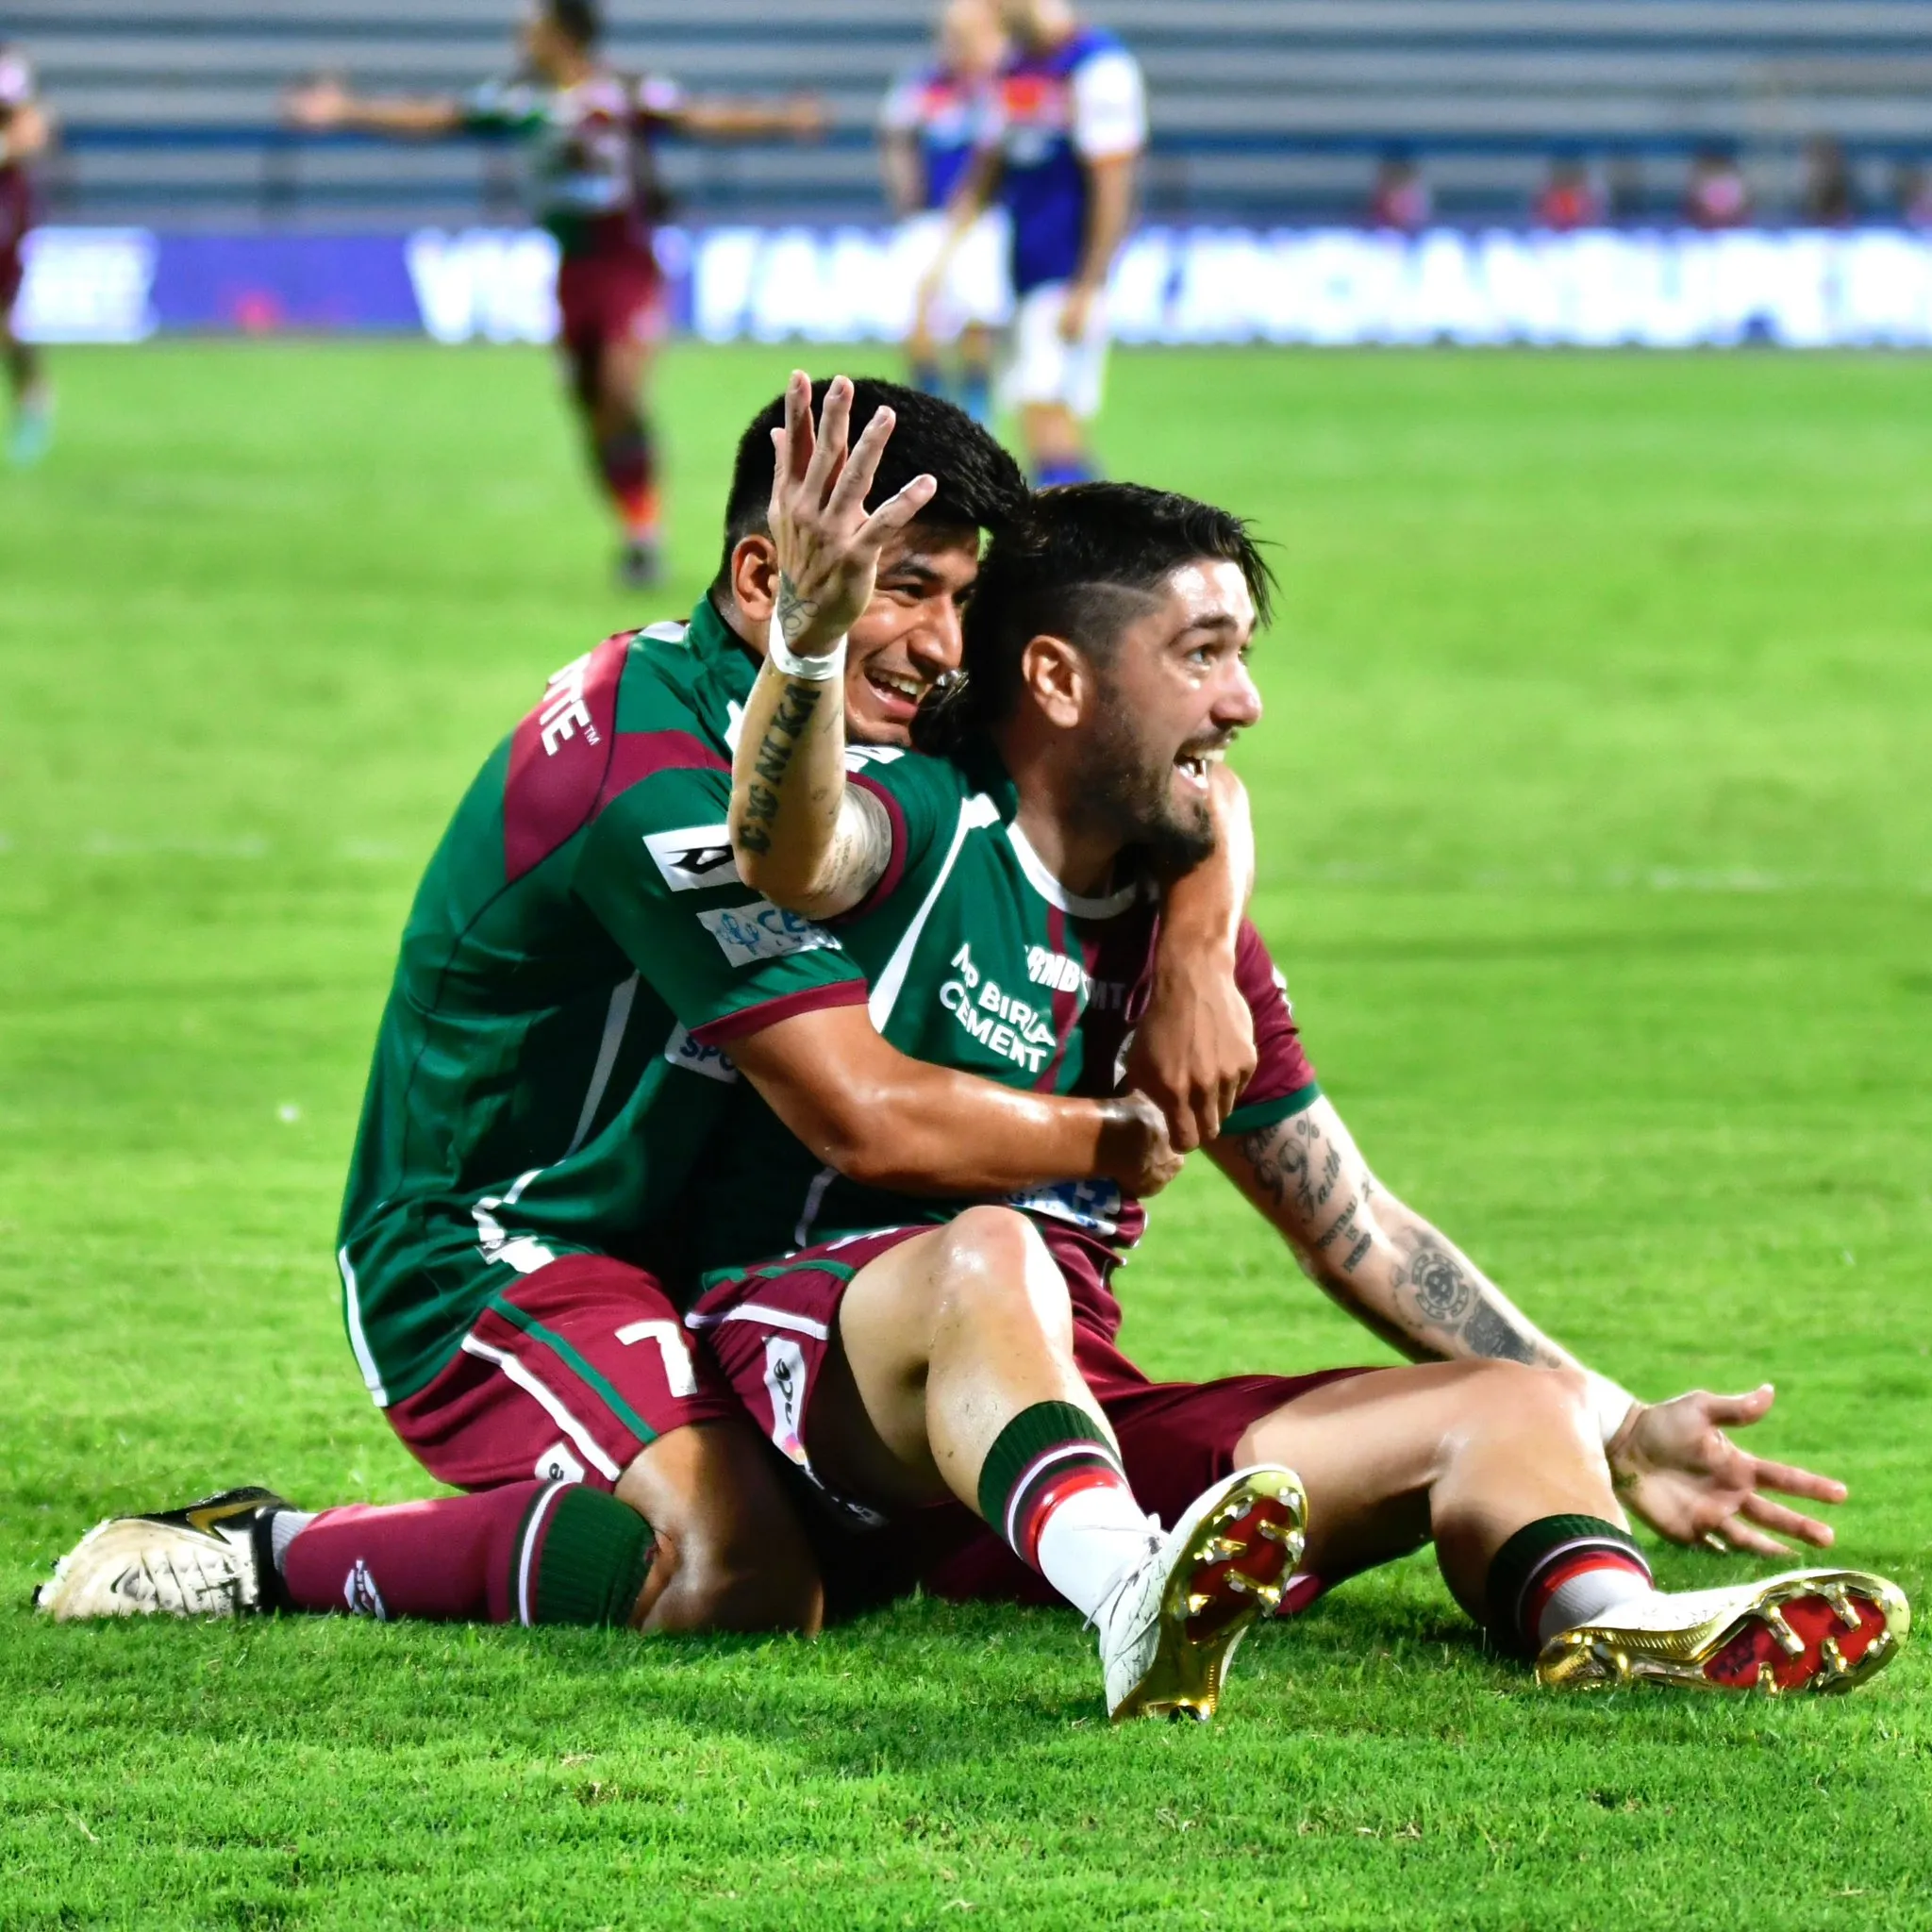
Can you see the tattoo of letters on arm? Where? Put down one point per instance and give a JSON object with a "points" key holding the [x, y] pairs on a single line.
{"points": [[775, 751]]}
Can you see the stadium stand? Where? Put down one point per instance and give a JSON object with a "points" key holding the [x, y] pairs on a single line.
{"points": [[1263, 109]]}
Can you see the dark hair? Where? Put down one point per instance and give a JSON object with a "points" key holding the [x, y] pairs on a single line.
{"points": [[981, 487], [580, 22], [1081, 563]]}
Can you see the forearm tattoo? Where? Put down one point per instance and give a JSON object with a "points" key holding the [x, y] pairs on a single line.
{"points": [[1450, 1298], [775, 752], [1385, 1265]]}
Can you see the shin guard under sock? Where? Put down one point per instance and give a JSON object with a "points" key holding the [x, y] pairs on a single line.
{"points": [[1580, 1563], [529, 1553]]}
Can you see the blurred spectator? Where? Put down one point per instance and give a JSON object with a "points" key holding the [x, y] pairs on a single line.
{"points": [[1629, 200], [1569, 199], [1402, 199], [1914, 191], [1831, 196], [1717, 196]]}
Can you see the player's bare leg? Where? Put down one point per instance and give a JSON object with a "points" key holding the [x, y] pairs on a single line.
{"points": [[729, 1553], [608, 381], [953, 1372], [1055, 443], [976, 371], [1501, 1464], [33, 400]]}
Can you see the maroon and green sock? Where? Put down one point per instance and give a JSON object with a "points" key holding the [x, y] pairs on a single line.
{"points": [[529, 1553]]}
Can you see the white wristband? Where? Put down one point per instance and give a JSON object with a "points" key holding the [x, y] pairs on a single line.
{"points": [[1609, 1404], [813, 670]]}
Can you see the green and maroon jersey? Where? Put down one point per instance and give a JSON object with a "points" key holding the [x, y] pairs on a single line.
{"points": [[580, 953], [980, 959], [591, 181]]}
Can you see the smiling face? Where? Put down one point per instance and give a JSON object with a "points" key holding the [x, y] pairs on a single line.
{"points": [[910, 635], [907, 639], [1166, 701]]}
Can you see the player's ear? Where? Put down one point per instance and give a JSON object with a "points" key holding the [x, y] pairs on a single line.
{"points": [[1054, 677], [755, 578]]}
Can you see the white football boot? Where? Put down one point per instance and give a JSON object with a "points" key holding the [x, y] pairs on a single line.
{"points": [[1171, 1623], [1820, 1630], [206, 1560]]}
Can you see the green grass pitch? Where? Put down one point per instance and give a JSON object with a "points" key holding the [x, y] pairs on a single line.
{"points": [[1596, 836]]}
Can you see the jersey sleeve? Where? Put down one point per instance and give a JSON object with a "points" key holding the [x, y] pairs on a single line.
{"points": [[499, 107], [1282, 1082], [1109, 105], [658, 98], [899, 112], [657, 871], [921, 798]]}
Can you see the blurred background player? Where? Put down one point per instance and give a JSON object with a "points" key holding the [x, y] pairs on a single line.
{"points": [[931, 124], [1070, 122], [1401, 200], [588, 129], [24, 131]]}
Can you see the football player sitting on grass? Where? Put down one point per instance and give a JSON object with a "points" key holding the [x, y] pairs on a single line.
{"points": [[1004, 901], [965, 1343]]}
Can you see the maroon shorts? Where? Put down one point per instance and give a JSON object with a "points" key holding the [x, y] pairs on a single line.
{"points": [[16, 218], [609, 296], [568, 1375], [769, 1329]]}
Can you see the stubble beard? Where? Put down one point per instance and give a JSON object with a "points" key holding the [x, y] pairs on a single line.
{"points": [[1131, 794]]}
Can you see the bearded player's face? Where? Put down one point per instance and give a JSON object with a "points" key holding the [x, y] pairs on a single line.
{"points": [[910, 635], [1168, 701]]}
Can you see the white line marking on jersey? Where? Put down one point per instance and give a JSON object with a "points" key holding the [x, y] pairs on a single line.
{"points": [[351, 1310], [616, 1018]]}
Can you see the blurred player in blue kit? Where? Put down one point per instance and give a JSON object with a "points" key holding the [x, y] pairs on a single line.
{"points": [[931, 124], [25, 132], [1058, 153]]}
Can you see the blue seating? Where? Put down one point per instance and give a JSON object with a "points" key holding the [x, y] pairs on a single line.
{"points": [[1263, 109]]}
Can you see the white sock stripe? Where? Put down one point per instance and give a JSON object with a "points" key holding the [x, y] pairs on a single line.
{"points": [[525, 1555], [1059, 1452], [1562, 1551], [551, 1403]]}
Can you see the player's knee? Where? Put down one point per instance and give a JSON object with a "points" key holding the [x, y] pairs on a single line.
{"points": [[993, 1266], [740, 1576], [1520, 1392]]}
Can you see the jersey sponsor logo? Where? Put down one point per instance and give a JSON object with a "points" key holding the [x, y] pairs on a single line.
{"points": [[362, 1595], [557, 1465], [1092, 1205], [693, 856], [1048, 968], [713, 1062], [1013, 1029], [784, 1385], [746, 934], [563, 713], [858, 756]]}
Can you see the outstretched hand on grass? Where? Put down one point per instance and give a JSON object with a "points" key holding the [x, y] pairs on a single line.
{"points": [[828, 546], [1678, 1468]]}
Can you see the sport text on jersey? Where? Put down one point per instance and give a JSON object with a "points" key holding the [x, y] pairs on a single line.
{"points": [[563, 713]]}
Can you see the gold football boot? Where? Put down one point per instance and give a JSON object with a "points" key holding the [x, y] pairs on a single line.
{"points": [[1821, 1630], [1173, 1620]]}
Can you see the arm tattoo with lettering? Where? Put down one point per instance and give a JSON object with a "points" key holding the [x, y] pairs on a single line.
{"points": [[775, 752]]}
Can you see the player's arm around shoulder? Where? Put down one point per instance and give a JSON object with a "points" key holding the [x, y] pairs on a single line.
{"points": [[801, 835], [1195, 1049]]}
